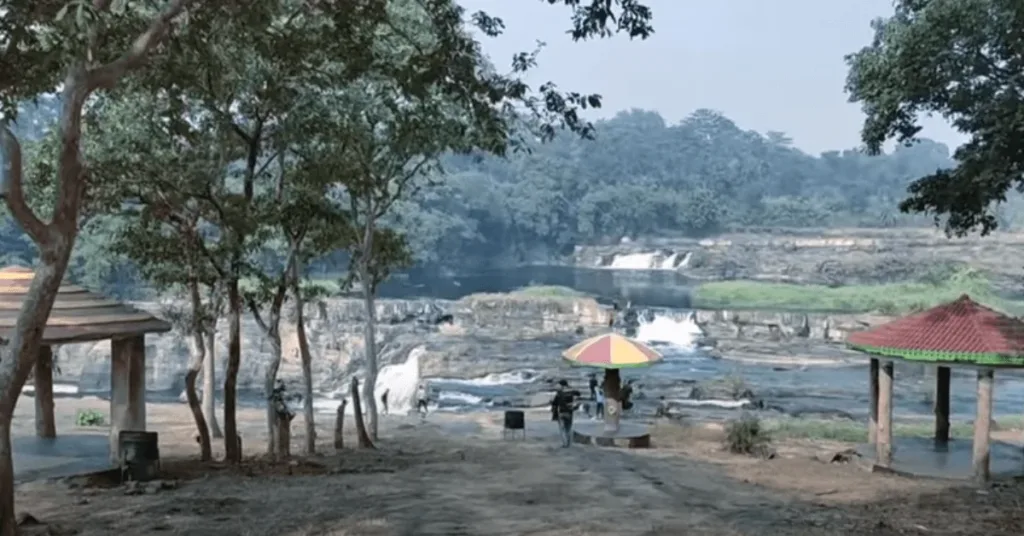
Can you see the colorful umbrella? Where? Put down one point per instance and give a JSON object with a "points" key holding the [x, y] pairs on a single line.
{"points": [[611, 351]]}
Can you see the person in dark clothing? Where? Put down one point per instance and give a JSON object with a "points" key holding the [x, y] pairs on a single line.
{"points": [[625, 394], [593, 386], [384, 400], [562, 407]]}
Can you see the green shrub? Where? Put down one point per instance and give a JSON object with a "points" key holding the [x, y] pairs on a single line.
{"points": [[746, 436], [89, 417]]}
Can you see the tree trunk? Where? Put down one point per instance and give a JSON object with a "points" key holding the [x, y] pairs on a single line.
{"points": [[195, 366], [270, 381], [18, 359], [210, 383], [364, 439], [339, 425], [370, 343], [308, 413], [232, 452]]}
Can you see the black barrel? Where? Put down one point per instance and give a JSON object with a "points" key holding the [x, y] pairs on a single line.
{"points": [[140, 454], [515, 420]]}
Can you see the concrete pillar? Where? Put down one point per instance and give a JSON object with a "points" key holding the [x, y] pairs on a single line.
{"points": [[43, 382], [982, 425], [883, 444], [942, 377], [127, 388], [873, 402]]}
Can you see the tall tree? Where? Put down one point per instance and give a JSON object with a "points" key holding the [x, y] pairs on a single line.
{"points": [[959, 59], [80, 48]]}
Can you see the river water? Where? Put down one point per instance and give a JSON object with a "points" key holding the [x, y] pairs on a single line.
{"points": [[837, 389]]}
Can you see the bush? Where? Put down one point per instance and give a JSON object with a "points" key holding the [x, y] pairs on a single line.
{"points": [[746, 436], [89, 417]]}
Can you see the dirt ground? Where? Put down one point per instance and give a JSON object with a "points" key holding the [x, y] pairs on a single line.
{"points": [[453, 475]]}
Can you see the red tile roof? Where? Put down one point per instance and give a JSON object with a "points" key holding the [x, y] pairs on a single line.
{"points": [[962, 326]]}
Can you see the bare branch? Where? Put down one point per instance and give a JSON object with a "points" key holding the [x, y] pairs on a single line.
{"points": [[106, 76], [13, 189]]}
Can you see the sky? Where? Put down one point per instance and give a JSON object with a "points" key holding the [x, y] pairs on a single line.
{"points": [[767, 65]]}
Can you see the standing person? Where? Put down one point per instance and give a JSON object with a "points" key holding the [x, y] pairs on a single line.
{"points": [[599, 406], [421, 399], [593, 386], [384, 400], [562, 408], [625, 396]]}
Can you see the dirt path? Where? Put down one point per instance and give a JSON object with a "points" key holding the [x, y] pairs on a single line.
{"points": [[427, 481]]}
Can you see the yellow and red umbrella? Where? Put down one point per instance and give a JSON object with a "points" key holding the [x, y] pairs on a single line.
{"points": [[611, 351]]}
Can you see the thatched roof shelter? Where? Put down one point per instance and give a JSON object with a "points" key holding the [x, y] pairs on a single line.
{"points": [[78, 315]]}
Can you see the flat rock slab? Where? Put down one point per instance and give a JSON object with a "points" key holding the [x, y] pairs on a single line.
{"points": [[631, 435]]}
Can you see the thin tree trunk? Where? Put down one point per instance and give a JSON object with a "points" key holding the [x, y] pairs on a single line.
{"points": [[364, 439], [210, 381], [270, 381], [308, 412], [370, 332], [195, 366], [231, 441]]}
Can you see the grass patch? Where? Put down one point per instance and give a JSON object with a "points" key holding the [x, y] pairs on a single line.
{"points": [[890, 299], [857, 432], [532, 292]]}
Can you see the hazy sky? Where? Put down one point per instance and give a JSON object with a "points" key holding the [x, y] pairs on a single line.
{"points": [[774, 65]]}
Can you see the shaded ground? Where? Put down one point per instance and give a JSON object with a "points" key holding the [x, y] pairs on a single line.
{"points": [[453, 476]]}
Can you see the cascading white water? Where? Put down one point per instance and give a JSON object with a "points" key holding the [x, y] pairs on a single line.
{"points": [[399, 380], [658, 260], [633, 261], [679, 332]]}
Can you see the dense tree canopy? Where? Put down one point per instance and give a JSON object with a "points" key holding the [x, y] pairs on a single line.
{"points": [[639, 176], [960, 59]]}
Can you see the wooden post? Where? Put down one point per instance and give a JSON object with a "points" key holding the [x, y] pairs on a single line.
{"points": [[942, 376], [127, 389], [43, 380], [873, 402], [284, 436], [982, 425], [339, 425], [883, 444]]}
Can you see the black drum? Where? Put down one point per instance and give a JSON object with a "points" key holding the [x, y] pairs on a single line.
{"points": [[139, 453], [515, 420]]}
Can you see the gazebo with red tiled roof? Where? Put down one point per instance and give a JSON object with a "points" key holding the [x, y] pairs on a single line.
{"points": [[962, 333]]}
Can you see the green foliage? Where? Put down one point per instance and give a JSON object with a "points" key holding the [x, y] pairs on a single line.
{"points": [[747, 436], [889, 299], [89, 417], [957, 59]]}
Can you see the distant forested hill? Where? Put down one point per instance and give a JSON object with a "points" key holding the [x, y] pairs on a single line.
{"points": [[639, 177]]}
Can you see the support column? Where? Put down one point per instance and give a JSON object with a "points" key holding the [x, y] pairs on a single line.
{"points": [[883, 444], [942, 376], [612, 404], [43, 382], [982, 425], [127, 388], [873, 402]]}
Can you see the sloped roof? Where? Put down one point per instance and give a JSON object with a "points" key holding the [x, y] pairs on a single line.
{"points": [[78, 315], [961, 331]]}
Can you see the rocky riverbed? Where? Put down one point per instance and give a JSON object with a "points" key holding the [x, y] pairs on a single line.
{"points": [[831, 256], [461, 339]]}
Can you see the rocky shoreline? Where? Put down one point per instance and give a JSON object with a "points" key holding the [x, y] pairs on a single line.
{"points": [[463, 339]]}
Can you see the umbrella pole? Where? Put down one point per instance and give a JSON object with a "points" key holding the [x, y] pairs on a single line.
{"points": [[612, 406]]}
